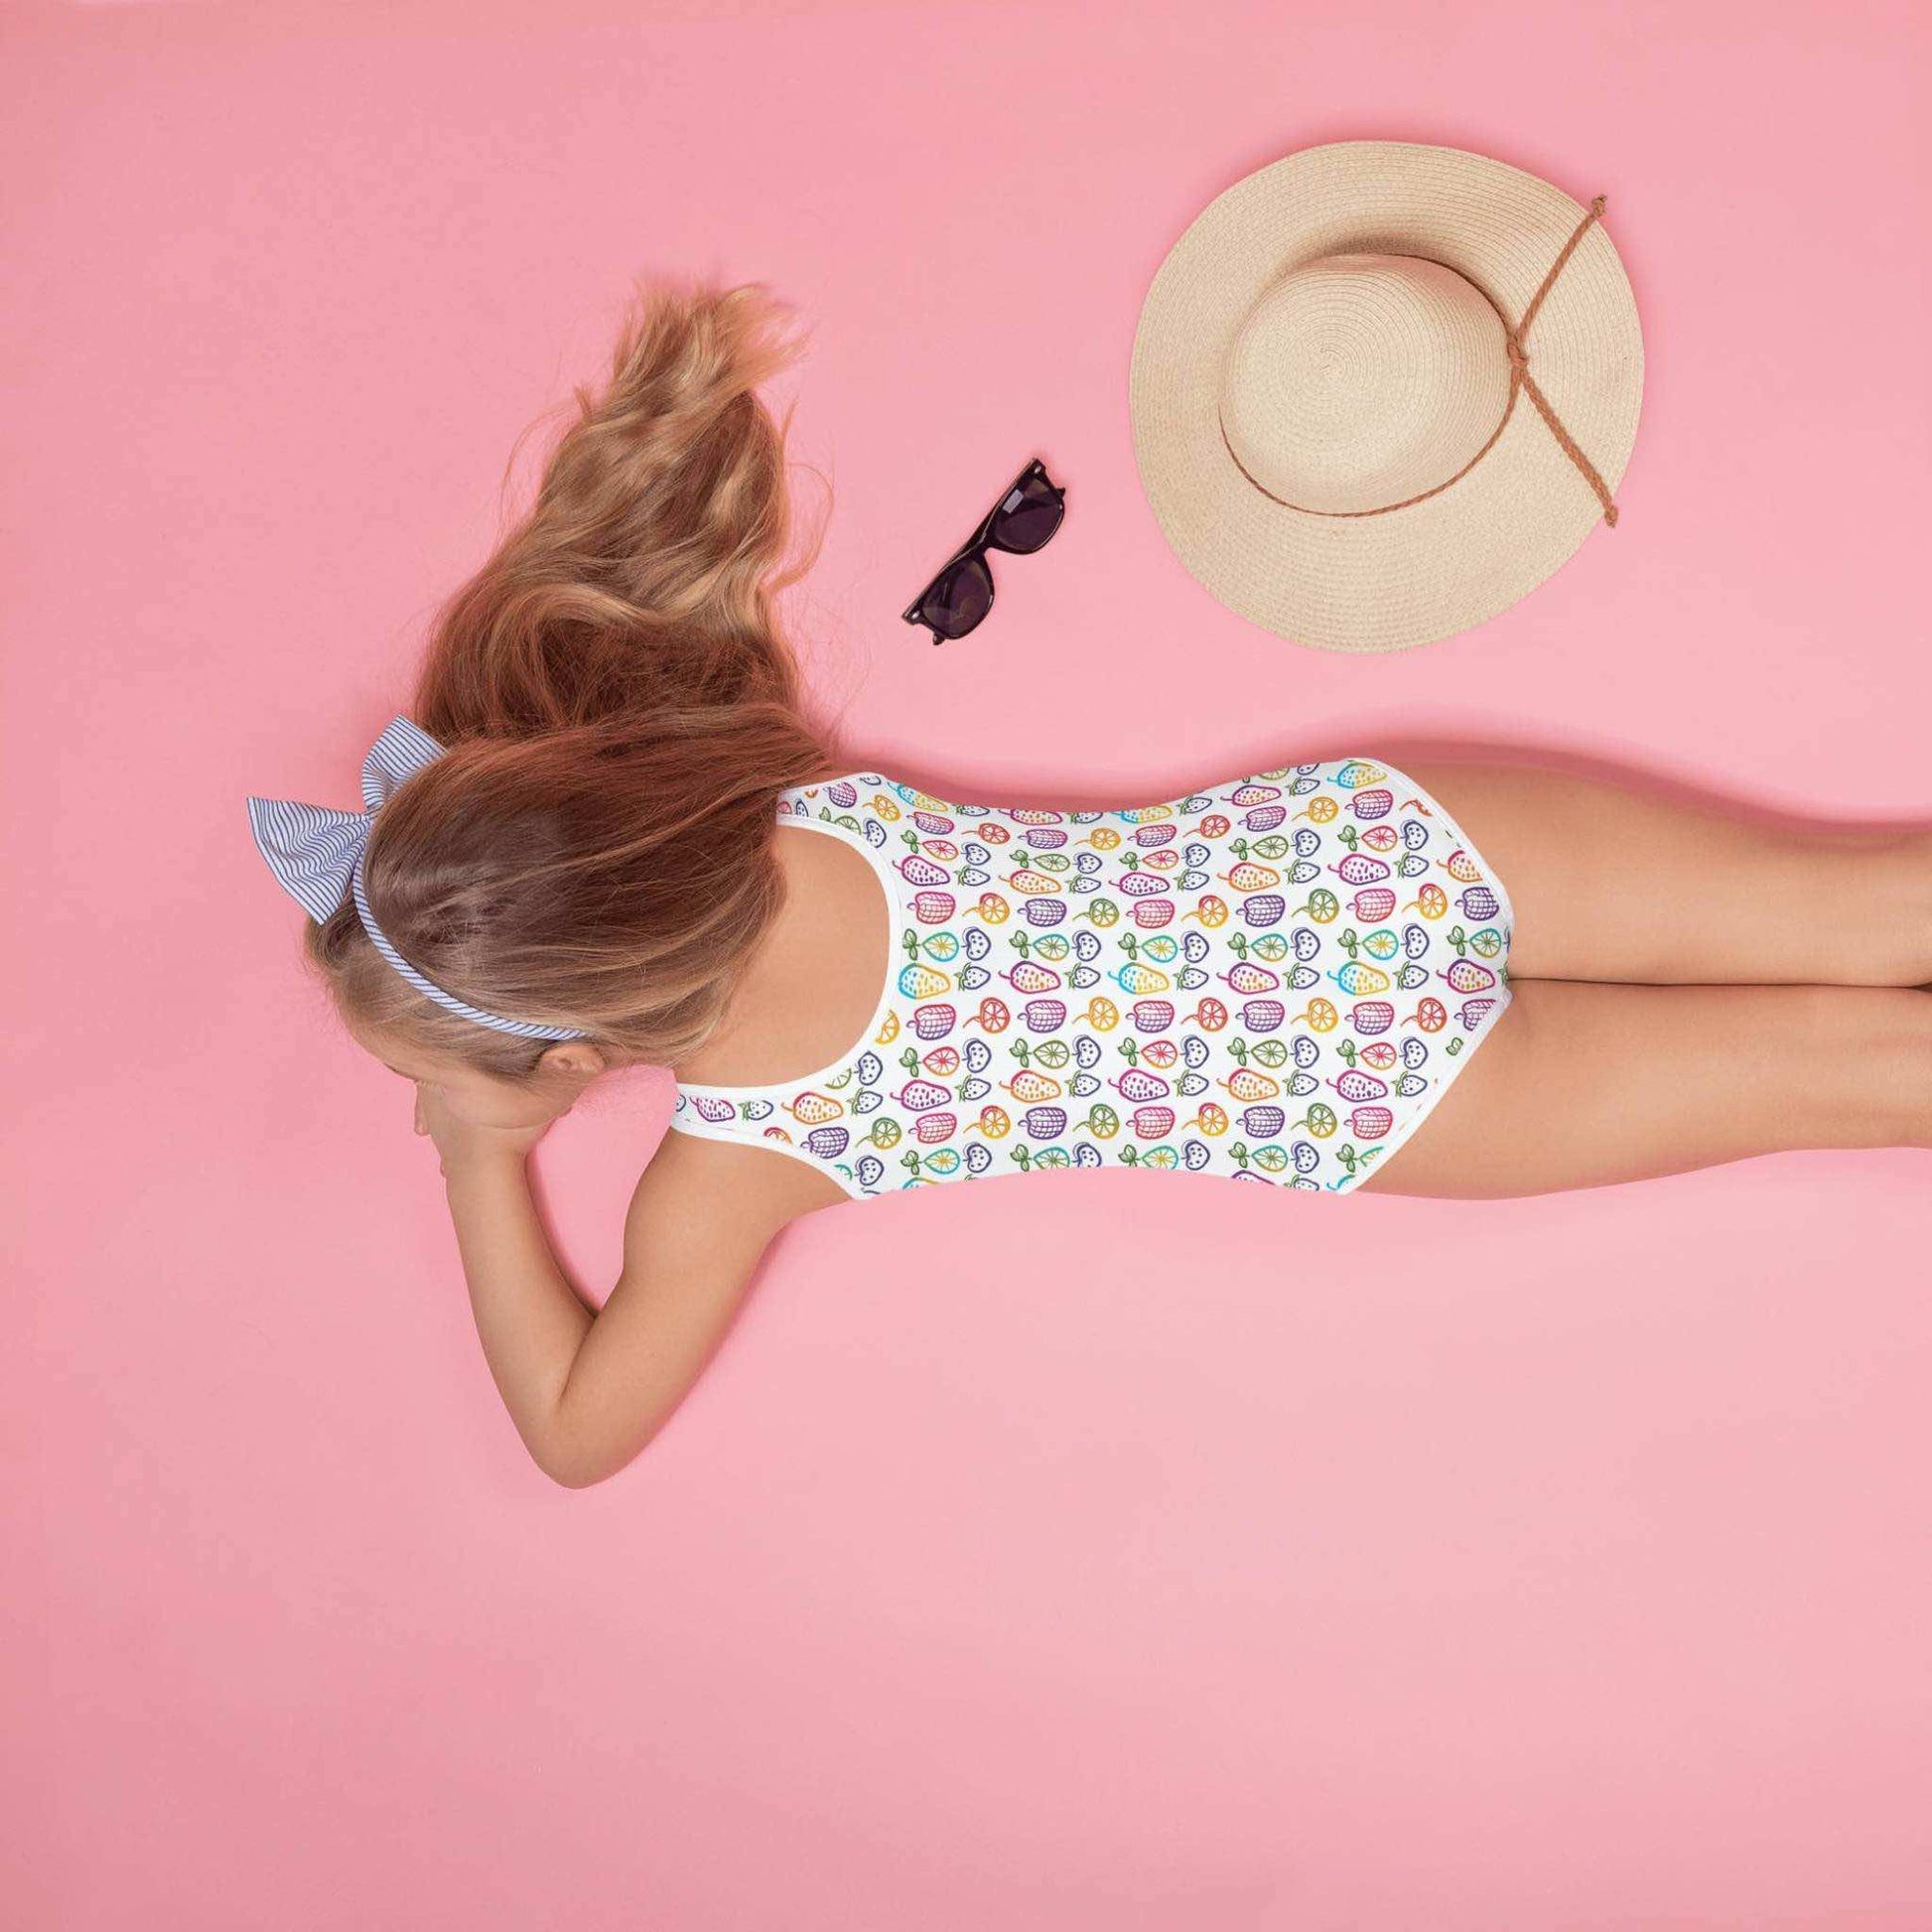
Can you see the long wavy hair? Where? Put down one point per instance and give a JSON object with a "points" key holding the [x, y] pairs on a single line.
{"points": [[595, 847]]}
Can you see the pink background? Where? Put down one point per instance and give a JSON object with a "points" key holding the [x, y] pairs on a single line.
{"points": [[1106, 1551]]}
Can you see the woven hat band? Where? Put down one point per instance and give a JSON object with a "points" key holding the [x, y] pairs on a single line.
{"points": [[1357, 372], [1358, 381]]}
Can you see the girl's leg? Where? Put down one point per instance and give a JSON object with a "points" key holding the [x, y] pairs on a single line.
{"points": [[1610, 884], [1581, 1085]]}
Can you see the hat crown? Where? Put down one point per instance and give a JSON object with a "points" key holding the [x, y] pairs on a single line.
{"points": [[1358, 381]]}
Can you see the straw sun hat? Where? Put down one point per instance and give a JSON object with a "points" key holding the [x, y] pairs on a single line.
{"points": [[1380, 391]]}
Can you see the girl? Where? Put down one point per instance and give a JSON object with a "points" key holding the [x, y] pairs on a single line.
{"points": [[607, 835]]}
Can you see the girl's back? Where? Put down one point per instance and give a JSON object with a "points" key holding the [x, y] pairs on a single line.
{"points": [[1272, 979]]}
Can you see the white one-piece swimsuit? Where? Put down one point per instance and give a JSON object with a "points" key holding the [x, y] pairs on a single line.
{"points": [[1273, 979]]}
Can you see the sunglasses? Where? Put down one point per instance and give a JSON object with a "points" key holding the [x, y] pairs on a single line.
{"points": [[1027, 513]]}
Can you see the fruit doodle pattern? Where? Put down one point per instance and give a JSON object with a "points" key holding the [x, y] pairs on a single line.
{"points": [[1272, 980]]}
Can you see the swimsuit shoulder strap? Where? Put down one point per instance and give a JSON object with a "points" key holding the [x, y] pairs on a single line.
{"points": [[863, 809]]}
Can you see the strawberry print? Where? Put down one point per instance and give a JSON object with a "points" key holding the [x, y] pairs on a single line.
{"points": [[1272, 980]]}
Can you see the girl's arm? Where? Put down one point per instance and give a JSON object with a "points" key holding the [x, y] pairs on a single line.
{"points": [[587, 1390]]}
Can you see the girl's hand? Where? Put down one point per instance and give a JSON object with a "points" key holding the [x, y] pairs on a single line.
{"points": [[463, 1142]]}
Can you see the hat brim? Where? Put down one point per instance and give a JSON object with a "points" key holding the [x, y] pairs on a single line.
{"points": [[1410, 576]]}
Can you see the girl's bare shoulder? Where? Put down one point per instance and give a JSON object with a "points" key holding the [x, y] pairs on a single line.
{"points": [[702, 1197]]}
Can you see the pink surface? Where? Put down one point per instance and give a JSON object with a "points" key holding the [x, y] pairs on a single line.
{"points": [[1114, 1550]]}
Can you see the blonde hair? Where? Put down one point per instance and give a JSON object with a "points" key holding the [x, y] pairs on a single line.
{"points": [[596, 846]]}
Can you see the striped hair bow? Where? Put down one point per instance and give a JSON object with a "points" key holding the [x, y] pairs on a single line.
{"points": [[317, 853]]}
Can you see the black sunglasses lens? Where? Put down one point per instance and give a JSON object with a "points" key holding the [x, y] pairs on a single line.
{"points": [[959, 599], [1029, 514]]}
